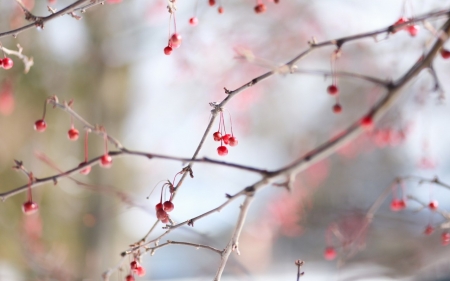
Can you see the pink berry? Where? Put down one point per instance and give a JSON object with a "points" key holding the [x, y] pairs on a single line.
{"points": [[168, 206], [260, 8], [367, 122], [86, 170], [134, 264], [413, 30], [175, 40], [30, 207], [433, 205], [217, 136], [226, 138], [7, 63], [445, 53], [193, 21], [428, 230], [161, 214], [40, 125], [445, 238], [337, 108], [129, 278], [159, 206], [167, 50], [397, 205], [212, 2], [222, 150], [233, 141], [140, 271], [329, 253], [73, 134], [220, 10], [333, 90], [106, 161]]}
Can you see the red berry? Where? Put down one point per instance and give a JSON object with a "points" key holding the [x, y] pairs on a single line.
{"points": [[30, 207], [367, 122], [140, 271], [260, 8], [445, 238], [134, 264], [428, 230], [397, 205], [86, 170], [226, 138], [73, 134], [233, 141], [129, 277], [159, 206], [337, 108], [329, 253], [7, 63], [445, 53], [175, 40], [220, 10], [433, 205], [161, 214], [106, 161], [167, 50], [40, 125], [333, 90], [165, 220], [212, 2], [222, 150], [168, 206], [217, 136], [193, 21], [413, 30]]}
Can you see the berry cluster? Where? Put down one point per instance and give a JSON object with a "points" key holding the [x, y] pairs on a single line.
{"points": [[174, 42], [73, 135], [333, 89], [163, 208], [224, 138]]}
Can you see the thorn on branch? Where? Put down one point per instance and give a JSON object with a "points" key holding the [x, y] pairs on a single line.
{"points": [[188, 169], [123, 254], [228, 196], [55, 181], [190, 223], [227, 91]]}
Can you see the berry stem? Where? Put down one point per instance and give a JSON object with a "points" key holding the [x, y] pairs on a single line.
{"points": [[231, 125], [86, 148], [30, 181], [105, 137]]}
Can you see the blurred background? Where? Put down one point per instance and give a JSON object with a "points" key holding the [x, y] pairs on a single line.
{"points": [[111, 63]]}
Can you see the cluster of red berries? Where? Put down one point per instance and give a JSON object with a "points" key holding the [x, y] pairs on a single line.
{"points": [[174, 42], [333, 90], [137, 269], [224, 138], [6, 63], [412, 29], [30, 207], [162, 209], [73, 135]]}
